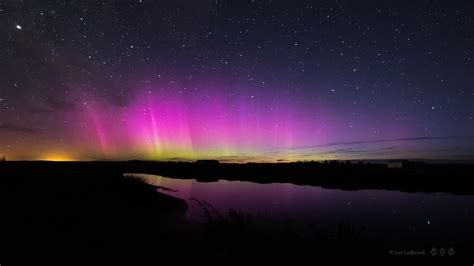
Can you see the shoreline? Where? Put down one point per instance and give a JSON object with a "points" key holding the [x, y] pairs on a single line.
{"points": [[418, 177]]}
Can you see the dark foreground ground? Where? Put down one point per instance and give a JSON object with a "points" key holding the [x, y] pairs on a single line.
{"points": [[89, 214]]}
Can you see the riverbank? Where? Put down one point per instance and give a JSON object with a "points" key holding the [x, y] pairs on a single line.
{"points": [[417, 177], [75, 216]]}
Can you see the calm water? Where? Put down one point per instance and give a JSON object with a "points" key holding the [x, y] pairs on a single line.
{"points": [[436, 218]]}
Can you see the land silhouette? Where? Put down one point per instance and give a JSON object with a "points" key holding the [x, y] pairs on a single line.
{"points": [[76, 213], [454, 178]]}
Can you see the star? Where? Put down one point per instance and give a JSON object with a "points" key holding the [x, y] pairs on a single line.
{"points": [[245, 64]]}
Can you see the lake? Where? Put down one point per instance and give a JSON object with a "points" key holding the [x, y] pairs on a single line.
{"points": [[420, 219]]}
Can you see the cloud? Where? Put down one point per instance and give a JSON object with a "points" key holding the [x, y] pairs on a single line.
{"points": [[351, 150], [410, 147], [60, 104], [357, 142], [6, 127], [52, 105], [374, 141]]}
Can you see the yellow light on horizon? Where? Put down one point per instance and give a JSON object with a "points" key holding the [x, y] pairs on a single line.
{"points": [[57, 158]]}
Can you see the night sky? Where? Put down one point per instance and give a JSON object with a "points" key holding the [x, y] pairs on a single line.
{"points": [[236, 80]]}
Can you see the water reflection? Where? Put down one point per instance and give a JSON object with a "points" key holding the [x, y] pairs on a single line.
{"points": [[431, 217]]}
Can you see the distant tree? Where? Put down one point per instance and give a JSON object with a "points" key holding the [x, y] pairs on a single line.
{"points": [[3, 159]]}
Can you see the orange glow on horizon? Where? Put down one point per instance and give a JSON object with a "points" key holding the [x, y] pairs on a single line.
{"points": [[57, 158]]}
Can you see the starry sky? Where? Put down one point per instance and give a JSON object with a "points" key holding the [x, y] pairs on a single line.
{"points": [[236, 80]]}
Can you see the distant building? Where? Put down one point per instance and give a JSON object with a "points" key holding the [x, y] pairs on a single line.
{"points": [[395, 164]]}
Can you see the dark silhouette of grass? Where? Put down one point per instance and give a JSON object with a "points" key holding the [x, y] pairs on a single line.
{"points": [[238, 238], [243, 238]]}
